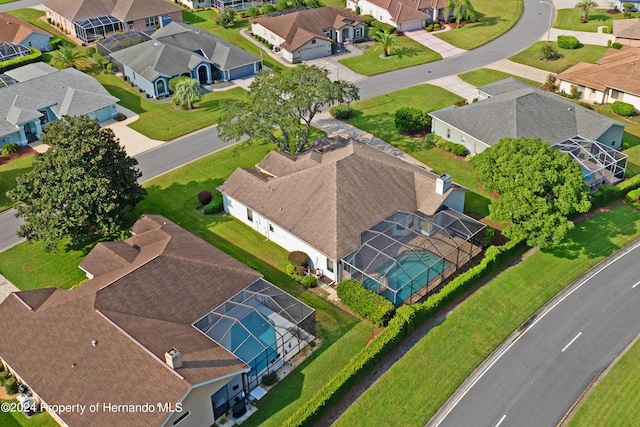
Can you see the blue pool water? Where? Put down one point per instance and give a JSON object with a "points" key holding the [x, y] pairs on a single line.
{"points": [[251, 349], [414, 266], [586, 173]]}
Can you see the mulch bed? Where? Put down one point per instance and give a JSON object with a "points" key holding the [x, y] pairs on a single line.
{"points": [[22, 152]]}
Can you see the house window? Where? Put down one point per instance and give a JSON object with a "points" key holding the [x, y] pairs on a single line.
{"points": [[615, 94], [327, 33], [151, 22], [462, 139], [358, 32], [330, 265], [249, 214], [313, 41], [179, 420], [271, 228], [448, 133]]}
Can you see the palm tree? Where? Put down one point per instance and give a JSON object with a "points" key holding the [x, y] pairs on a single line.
{"points": [[586, 6], [386, 40], [187, 92], [69, 56], [462, 10]]}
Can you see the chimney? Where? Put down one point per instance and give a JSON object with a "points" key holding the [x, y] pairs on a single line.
{"points": [[443, 183], [173, 358]]}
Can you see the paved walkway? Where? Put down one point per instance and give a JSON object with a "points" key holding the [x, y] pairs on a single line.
{"points": [[134, 142], [584, 37], [6, 288], [456, 85], [434, 43], [521, 70]]}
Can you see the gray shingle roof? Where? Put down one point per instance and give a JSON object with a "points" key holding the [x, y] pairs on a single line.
{"points": [[31, 71], [516, 109], [67, 92]]}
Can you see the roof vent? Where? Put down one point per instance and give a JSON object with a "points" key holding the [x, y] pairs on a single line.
{"points": [[173, 358], [94, 343], [443, 183], [156, 44], [569, 109]]}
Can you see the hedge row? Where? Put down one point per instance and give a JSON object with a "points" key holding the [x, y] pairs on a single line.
{"points": [[368, 304], [633, 195], [457, 149], [10, 64], [406, 319], [607, 193]]}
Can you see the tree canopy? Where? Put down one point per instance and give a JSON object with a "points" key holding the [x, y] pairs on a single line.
{"points": [[281, 106], [386, 40], [81, 187], [462, 10], [538, 187], [69, 57], [586, 6]]}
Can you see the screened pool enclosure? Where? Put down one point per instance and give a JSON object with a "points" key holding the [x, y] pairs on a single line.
{"points": [[261, 325], [408, 255], [12, 50]]}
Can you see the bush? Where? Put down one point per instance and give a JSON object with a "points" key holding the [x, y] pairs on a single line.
{"points": [[575, 92], [437, 26], [309, 282], [290, 269], [432, 138], [410, 119], [342, 111], [623, 108], [252, 12], [9, 149], [90, 50], [490, 234], [204, 197], [100, 59], [547, 52], [459, 150], [11, 386], [269, 379], [282, 4], [568, 42], [368, 19], [3, 376], [298, 258], [358, 10], [268, 8], [429, 28], [216, 205], [368, 304], [10, 64], [609, 43], [630, 184], [382, 26], [633, 195], [461, 103], [616, 45], [628, 6], [627, 15], [55, 42]]}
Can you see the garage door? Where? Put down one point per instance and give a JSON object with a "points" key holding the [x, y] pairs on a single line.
{"points": [[412, 25], [313, 51]]}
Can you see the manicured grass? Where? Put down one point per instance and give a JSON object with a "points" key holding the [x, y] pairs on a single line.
{"points": [[18, 419], [7, 1], [406, 53], [496, 17], [417, 385], [206, 20], [485, 76], [568, 57], [376, 116], [615, 400], [8, 174], [33, 17], [160, 120], [569, 19]]}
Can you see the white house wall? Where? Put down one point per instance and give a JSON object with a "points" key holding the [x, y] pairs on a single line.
{"points": [[367, 8], [278, 235], [448, 132], [138, 80], [266, 34], [313, 49]]}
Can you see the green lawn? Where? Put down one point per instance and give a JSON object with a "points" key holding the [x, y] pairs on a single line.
{"points": [[376, 116], [18, 419], [485, 76], [33, 17], [569, 57], [8, 174], [416, 386], [569, 19], [7, 1], [161, 120], [496, 17], [616, 399], [406, 53]]}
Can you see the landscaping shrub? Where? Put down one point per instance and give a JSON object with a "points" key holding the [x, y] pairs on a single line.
{"points": [[9, 149], [432, 138], [358, 10], [10, 64], [547, 52], [216, 205], [368, 19], [368, 304], [309, 282], [101, 60], [459, 150], [11, 386], [429, 28], [269, 379], [461, 103], [575, 92], [490, 234], [342, 111], [616, 45], [3, 376], [268, 8], [281, 4], [90, 50], [609, 43], [252, 12], [568, 42], [205, 197], [55, 42], [623, 108], [382, 26], [633, 195], [628, 6], [298, 258], [437, 26], [409, 119], [630, 184]]}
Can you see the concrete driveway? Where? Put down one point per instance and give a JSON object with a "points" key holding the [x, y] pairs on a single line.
{"points": [[434, 43], [134, 142]]}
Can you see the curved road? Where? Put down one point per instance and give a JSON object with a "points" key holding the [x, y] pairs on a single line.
{"points": [[536, 379]]}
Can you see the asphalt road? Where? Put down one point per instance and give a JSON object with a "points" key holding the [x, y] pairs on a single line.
{"points": [[540, 376]]}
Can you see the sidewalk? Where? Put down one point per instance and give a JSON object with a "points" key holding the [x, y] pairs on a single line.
{"points": [[584, 37], [432, 42], [455, 84], [6, 288], [521, 70]]}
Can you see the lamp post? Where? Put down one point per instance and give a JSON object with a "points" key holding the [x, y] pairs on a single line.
{"points": [[550, 19]]}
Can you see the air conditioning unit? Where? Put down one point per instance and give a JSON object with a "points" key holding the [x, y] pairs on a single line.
{"points": [[318, 272], [276, 49]]}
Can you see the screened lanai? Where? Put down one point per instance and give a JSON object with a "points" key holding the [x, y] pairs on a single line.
{"points": [[407, 255], [92, 29], [261, 325], [12, 50], [599, 164], [121, 41]]}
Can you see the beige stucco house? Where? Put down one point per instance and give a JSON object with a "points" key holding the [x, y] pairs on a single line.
{"points": [[405, 15]]}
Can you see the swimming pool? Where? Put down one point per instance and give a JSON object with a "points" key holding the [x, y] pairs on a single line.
{"points": [[407, 274], [586, 173], [255, 352]]}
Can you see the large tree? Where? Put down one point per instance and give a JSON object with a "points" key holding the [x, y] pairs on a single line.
{"points": [[537, 186], [462, 10], [281, 106], [81, 187], [586, 6]]}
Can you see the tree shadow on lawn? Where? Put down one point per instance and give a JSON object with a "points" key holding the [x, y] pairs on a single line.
{"points": [[482, 21], [409, 52], [594, 237], [192, 18]]}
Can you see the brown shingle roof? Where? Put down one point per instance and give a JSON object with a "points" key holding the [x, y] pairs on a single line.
{"points": [[617, 69], [627, 28], [329, 199], [124, 10], [14, 30], [298, 28], [141, 303]]}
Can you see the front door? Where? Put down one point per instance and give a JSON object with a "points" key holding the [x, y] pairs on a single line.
{"points": [[202, 74]]}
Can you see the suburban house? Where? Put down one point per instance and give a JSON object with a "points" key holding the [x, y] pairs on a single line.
{"points": [[360, 213], [179, 49], [166, 320], [41, 94], [302, 35], [15, 31], [405, 15], [612, 78], [619, 4], [90, 20], [627, 31]]}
